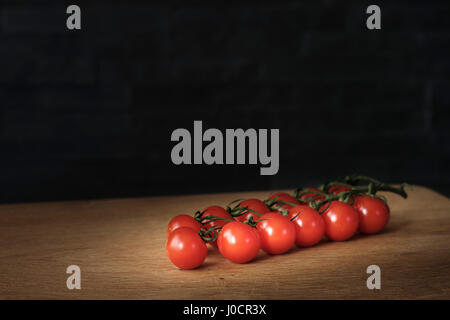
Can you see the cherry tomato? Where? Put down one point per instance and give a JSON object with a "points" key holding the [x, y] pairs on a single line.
{"points": [[183, 220], [341, 221], [312, 195], [309, 225], [255, 205], [238, 242], [185, 248], [373, 214], [277, 233], [218, 212], [338, 189], [335, 190], [283, 196]]}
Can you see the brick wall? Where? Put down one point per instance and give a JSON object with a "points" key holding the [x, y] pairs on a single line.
{"points": [[89, 114]]}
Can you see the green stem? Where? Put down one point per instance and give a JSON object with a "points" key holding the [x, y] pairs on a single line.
{"points": [[355, 179], [205, 234], [210, 218], [238, 211]]}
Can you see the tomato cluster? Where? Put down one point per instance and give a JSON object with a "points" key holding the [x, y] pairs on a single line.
{"points": [[335, 211]]}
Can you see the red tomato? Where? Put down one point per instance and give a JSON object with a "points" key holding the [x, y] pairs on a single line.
{"points": [[218, 212], [338, 189], [277, 233], [373, 214], [312, 195], [283, 196], [309, 225], [253, 204], [238, 242], [185, 248], [183, 220], [341, 221]]}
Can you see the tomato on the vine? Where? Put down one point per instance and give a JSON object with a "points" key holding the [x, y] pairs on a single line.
{"points": [[208, 224], [283, 196], [185, 248], [277, 233], [311, 195], [373, 214], [338, 189], [341, 221], [255, 205], [183, 220], [238, 242], [309, 225]]}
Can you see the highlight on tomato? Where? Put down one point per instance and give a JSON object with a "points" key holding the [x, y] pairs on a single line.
{"points": [[277, 233], [255, 205], [215, 211], [238, 242], [283, 196], [185, 248], [373, 213], [183, 220], [341, 221], [309, 225]]}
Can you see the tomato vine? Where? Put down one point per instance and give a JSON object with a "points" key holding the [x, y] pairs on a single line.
{"points": [[338, 199]]}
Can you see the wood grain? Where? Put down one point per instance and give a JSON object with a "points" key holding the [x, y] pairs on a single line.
{"points": [[120, 248]]}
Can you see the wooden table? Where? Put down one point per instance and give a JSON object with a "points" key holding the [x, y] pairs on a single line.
{"points": [[120, 247]]}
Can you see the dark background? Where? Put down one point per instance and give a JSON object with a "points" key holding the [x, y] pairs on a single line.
{"points": [[89, 114]]}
